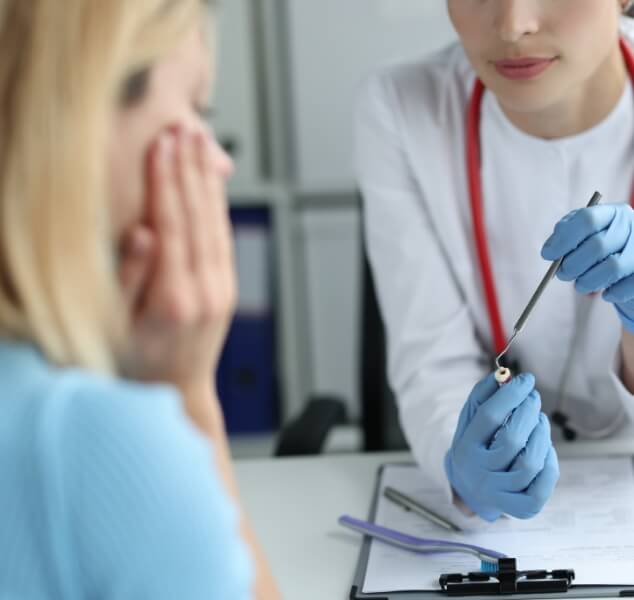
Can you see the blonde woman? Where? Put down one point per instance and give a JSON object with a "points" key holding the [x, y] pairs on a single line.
{"points": [[116, 288]]}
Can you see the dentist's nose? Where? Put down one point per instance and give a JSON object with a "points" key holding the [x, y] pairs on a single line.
{"points": [[515, 19]]}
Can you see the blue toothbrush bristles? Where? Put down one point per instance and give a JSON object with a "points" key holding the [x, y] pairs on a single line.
{"points": [[488, 566]]}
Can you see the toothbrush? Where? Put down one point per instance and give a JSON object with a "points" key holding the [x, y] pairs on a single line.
{"points": [[488, 558]]}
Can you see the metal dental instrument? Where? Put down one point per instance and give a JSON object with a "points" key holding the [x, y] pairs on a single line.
{"points": [[410, 504], [552, 271]]}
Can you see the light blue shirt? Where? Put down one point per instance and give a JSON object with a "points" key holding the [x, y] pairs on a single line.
{"points": [[108, 492]]}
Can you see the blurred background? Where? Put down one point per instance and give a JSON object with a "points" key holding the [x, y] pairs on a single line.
{"points": [[288, 76]]}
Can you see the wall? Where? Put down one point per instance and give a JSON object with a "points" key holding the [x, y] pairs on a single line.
{"points": [[236, 96], [332, 45]]}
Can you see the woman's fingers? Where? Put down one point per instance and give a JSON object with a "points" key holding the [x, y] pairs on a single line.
{"points": [[193, 200], [193, 278], [596, 249], [221, 288], [219, 210], [493, 413], [529, 462], [606, 274], [165, 213], [511, 439], [187, 289], [527, 504], [171, 286], [575, 228], [136, 260]]}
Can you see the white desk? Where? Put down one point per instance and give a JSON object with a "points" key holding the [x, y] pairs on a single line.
{"points": [[294, 505]]}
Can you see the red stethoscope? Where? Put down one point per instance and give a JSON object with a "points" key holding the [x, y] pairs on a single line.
{"points": [[473, 155]]}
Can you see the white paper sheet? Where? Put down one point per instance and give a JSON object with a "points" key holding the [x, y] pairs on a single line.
{"points": [[587, 526]]}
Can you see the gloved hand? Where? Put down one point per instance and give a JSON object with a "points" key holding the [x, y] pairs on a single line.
{"points": [[598, 246], [502, 459]]}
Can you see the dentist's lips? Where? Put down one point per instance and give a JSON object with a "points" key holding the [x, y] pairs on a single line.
{"points": [[523, 68]]}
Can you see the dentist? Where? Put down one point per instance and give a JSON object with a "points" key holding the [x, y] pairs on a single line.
{"points": [[473, 164]]}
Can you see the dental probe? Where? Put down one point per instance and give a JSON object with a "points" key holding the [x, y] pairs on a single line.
{"points": [[503, 374]]}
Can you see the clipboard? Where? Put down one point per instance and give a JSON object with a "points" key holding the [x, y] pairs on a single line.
{"points": [[356, 593]]}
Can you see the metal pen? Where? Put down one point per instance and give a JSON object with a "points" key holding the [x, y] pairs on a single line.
{"points": [[550, 274], [416, 507]]}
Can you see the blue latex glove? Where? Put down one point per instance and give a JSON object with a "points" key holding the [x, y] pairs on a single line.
{"points": [[598, 247], [502, 459]]}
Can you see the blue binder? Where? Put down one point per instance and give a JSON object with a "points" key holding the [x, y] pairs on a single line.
{"points": [[247, 382]]}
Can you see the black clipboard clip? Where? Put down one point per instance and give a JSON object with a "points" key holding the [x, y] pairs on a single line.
{"points": [[507, 580]]}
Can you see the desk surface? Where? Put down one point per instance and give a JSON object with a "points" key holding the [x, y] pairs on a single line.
{"points": [[294, 505]]}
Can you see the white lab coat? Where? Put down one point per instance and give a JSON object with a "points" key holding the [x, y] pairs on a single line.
{"points": [[410, 154]]}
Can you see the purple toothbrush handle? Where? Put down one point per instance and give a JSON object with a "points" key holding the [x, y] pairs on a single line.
{"points": [[421, 543]]}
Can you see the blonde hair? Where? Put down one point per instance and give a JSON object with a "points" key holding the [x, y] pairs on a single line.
{"points": [[62, 68]]}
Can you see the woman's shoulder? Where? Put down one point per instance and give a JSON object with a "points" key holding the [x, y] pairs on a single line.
{"points": [[436, 82], [51, 412], [49, 396], [115, 465], [129, 452]]}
